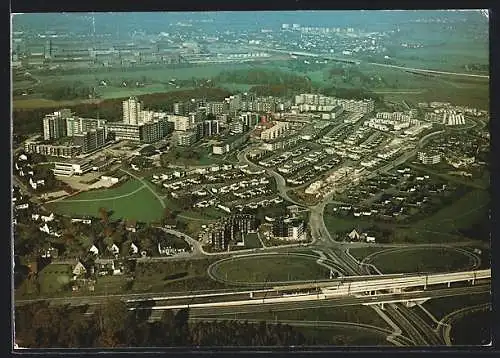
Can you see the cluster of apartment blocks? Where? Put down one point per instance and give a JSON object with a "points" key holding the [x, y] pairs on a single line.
{"points": [[234, 229], [231, 229], [86, 135], [307, 102], [450, 118]]}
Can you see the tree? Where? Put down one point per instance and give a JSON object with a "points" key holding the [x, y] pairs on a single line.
{"points": [[103, 213]]}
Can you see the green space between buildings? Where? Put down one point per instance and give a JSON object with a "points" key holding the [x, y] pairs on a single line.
{"points": [[128, 201]]}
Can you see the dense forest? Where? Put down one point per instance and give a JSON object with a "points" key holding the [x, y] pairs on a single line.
{"points": [[40, 325]]}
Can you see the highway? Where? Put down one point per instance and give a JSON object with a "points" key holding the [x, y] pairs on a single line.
{"points": [[275, 306], [382, 287], [357, 61]]}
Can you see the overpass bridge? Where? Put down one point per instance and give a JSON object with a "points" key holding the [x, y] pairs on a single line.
{"points": [[302, 293]]}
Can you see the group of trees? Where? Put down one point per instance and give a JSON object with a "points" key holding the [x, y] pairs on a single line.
{"points": [[65, 91], [40, 325]]}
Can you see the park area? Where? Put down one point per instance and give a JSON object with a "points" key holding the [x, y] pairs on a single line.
{"points": [[268, 268], [131, 200]]}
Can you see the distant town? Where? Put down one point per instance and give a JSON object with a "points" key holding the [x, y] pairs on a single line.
{"points": [[281, 202]]}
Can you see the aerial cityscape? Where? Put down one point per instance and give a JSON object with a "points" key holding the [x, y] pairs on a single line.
{"points": [[251, 179]]}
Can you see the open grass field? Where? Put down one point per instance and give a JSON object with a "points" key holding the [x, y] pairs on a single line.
{"points": [[440, 227], [474, 328], [432, 259], [440, 307], [337, 224], [361, 252], [355, 314], [270, 268], [118, 92], [54, 277], [156, 74], [252, 241], [32, 103], [131, 201], [344, 336], [462, 213], [174, 276]]}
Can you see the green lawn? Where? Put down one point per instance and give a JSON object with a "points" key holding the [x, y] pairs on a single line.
{"points": [[142, 205], [54, 278], [252, 241], [474, 328], [361, 252], [462, 213], [354, 314], [440, 307], [339, 224], [209, 213], [173, 276], [440, 227], [270, 268], [343, 336], [421, 260]]}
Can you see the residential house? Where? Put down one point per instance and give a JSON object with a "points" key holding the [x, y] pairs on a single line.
{"points": [[131, 225], [47, 218], [83, 221], [22, 206], [114, 249], [354, 235], [133, 249], [165, 249], [49, 230], [79, 270], [370, 239], [108, 266], [94, 250], [49, 252]]}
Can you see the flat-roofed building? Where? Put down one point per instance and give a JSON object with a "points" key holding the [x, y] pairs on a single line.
{"points": [[54, 124], [279, 129], [186, 138], [131, 111], [181, 123], [124, 131], [77, 125], [64, 151], [90, 140], [70, 168]]}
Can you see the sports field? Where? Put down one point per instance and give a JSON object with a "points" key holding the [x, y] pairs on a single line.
{"points": [[131, 200]]}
